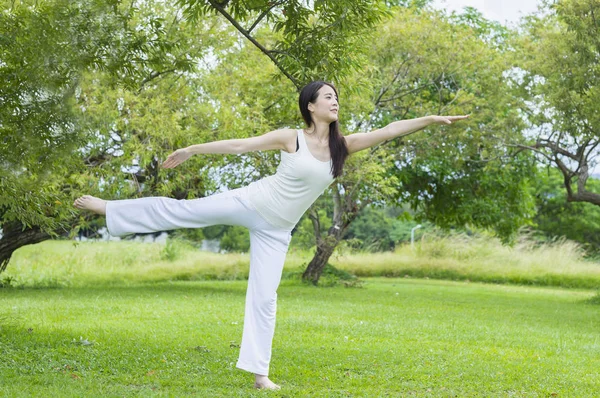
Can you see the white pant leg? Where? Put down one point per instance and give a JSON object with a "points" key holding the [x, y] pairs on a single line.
{"points": [[268, 249], [153, 214]]}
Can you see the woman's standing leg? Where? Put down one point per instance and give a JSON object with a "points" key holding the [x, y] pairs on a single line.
{"points": [[268, 249]]}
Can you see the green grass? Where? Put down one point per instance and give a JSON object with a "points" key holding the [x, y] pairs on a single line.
{"points": [[456, 258], [482, 259], [393, 337]]}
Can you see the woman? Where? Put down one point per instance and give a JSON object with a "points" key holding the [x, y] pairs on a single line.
{"points": [[269, 208]]}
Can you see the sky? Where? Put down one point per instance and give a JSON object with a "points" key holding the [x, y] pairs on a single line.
{"points": [[504, 11]]}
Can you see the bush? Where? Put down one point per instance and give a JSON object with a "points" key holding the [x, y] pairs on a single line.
{"points": [[332, 276], [6, 281], [236, 239], [174, 248]]}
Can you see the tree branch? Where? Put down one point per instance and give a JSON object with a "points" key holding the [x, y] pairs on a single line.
{"points": [[555, 148], [531, 148], [264, 14], [314, 217], [443, 109], [594, 146], [153, 76], [220, 8], [400, 95], [337, 208], [567, 175]]}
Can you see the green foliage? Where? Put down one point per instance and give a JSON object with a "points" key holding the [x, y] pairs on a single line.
{"points": [[6, 281], [321, 41], [192, 235], [372, 228], [456, 175], [235, 239], [557, 217], [170, 252], [48, 50], [489, 195], [491, 32], [401, 230], [380, 229], [560, 76], [561, 55], [304, 235], [408, 3], [174, 249], [333, 276]]}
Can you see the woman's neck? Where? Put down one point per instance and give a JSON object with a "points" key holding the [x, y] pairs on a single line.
{"points": [[319, 131]]}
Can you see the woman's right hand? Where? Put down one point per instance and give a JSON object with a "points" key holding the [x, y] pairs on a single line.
{"points": [[176, 158]]}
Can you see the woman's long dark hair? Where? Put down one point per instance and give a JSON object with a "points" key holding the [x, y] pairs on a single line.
{"points": [[337, 143]]}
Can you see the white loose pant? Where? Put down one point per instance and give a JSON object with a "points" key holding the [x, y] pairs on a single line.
{"points": [[268, 249]]}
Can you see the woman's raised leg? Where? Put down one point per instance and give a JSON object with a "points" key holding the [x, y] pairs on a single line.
{"points": [[153, 214]]}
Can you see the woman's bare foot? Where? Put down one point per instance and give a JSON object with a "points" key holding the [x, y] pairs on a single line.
{"points": [[92, 203], [264, 382]]}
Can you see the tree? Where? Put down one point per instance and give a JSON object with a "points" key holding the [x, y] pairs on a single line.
{"points": [[129, 128], [47, 48], [62, 97], [560, 74], [426, 63], [314, 40]]}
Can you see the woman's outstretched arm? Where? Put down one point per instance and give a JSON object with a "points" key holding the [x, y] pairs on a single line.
{"points": [[277, 139], [359, 141]]}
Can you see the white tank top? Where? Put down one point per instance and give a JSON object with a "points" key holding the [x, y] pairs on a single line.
{"points": [[283, 197]]}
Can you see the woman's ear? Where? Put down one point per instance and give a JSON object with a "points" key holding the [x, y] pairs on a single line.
{"points": [[311, 107]]}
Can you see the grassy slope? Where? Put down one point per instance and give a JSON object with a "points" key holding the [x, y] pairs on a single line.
{"points": [[118, 263]]}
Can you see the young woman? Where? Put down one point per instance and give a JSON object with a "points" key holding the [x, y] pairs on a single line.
{"points": [[269, 208]]}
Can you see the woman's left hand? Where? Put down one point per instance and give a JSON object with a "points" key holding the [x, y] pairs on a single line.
{"points": [[447, 119]]}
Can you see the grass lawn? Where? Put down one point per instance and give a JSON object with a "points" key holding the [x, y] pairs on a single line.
{"points": [[392, 337]]}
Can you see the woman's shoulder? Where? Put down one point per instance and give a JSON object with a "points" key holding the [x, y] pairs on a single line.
{"points": [[286, 132], [289, 131], [289, 137]]}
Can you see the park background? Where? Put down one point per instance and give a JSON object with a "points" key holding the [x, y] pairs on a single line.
{"points": [[96, 94]]}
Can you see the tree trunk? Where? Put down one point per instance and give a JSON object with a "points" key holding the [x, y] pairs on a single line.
{"points": [[14, 236], [317, 264], [579, 157], [345, 211]]}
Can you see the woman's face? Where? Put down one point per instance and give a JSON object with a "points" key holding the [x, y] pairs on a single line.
{"points": [[326, 107]]}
